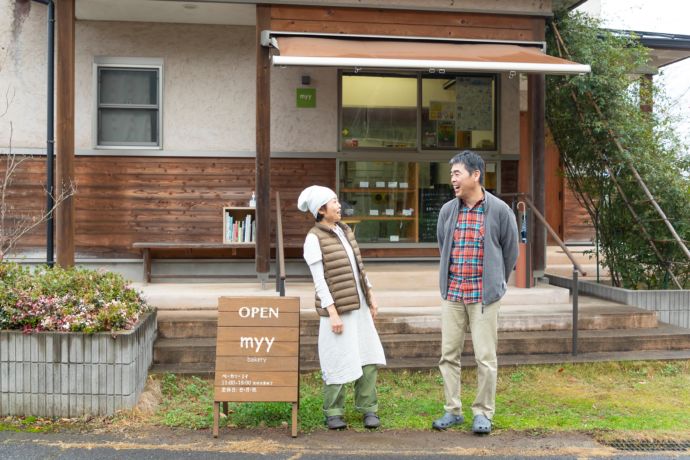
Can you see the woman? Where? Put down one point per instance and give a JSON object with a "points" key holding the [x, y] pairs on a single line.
{"points": [[349, 346]]}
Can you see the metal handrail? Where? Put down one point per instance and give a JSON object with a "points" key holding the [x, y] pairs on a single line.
{"points": [[577, 269], [280, 250]]}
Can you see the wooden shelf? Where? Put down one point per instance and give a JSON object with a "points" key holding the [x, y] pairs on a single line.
{"points": [[377, 190], [357, 219], [239, 216]]}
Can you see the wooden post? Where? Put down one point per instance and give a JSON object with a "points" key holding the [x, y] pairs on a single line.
{"points": [[263, 146], [147, 265], [537, 108], [64, 171]]}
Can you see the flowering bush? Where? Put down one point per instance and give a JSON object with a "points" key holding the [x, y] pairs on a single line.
{"points": [[66, 300]]}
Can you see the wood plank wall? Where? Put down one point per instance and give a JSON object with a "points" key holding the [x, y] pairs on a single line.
{"points": [[121, 200], [371, 21]]}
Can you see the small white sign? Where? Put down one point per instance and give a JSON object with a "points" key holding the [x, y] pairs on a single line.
{"points": [[364, 184], [394, 238], [403, 185], [380, 184], [390, 212], [407, 212], [373, 212], [491, 167], [392, 185]]}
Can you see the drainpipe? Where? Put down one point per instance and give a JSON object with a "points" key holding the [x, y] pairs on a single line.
{"points": [[50, 135]]}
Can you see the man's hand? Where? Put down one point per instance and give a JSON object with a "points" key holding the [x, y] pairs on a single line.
{"points": [[336, 322]]}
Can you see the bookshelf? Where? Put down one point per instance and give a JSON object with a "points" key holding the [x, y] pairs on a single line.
{"points": [[239, 226]]}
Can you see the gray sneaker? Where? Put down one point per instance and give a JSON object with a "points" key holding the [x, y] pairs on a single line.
{"points": [[447, 421]]}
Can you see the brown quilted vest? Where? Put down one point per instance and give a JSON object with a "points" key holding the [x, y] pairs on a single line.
{"points": [[337, 269]]}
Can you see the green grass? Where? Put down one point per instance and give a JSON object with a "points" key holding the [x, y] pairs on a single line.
{"points": [[614, 400], [625, 397]]}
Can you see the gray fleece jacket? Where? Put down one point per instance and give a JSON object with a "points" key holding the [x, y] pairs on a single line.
{"points": [[500, 245]]}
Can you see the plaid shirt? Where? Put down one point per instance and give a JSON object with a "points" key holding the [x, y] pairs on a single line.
{"points": [[467, 255]]}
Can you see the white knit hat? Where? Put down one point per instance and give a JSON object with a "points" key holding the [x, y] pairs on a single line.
{"points": [[312, 198]]}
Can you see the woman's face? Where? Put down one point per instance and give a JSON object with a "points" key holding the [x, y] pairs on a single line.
{"points": [[331, 211]]}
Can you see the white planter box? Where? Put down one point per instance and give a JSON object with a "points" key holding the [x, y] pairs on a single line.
{"points": [[71, 374]]}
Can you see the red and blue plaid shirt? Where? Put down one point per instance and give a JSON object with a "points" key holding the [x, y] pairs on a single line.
{"points": [[467, 255]]}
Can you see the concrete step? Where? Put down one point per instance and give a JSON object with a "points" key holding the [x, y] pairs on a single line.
{"points": [[582, 254], [207, 369], [503, 360], [593, 314], [205, 296], [427, 345], [393, 276], [524, 343]]}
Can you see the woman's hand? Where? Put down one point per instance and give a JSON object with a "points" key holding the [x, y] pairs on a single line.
{"points": [[373, 307], [336, 322]]}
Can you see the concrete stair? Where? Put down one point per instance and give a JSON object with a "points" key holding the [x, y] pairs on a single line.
{"points": [[558, 263], [531, 329]]}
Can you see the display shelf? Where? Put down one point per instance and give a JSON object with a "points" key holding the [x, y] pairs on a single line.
{"points": [[239, 226], [397, 207]]}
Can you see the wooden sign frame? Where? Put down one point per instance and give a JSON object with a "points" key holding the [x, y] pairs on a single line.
{"points": [[257, 353]]}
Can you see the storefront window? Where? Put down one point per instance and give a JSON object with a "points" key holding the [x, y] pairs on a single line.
{"points": [[397, 201], [458, 113], [379, 112]]}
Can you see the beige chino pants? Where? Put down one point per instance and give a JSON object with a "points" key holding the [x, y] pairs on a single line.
{"points": [[455, 317]]}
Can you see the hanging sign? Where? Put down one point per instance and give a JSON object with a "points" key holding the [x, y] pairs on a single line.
{"points": [[306, 98]]}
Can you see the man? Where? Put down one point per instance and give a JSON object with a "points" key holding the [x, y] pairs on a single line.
{"points": [[478, 240]]}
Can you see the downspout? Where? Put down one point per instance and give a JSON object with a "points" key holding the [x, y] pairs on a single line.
{"points": [[50, 134]]}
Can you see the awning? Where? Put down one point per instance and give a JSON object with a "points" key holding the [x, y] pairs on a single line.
{"points": [[404, 54]]}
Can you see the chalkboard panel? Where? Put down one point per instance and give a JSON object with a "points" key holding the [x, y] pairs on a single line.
{"points": [[430, 202]]}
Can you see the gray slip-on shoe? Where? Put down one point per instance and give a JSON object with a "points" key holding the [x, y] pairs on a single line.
{"points": [[481, 424], [371, 420], [335, 422], [447, 421]]}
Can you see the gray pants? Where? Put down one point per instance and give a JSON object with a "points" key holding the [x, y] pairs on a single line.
{"points": [[455, 317], [365, 394]]}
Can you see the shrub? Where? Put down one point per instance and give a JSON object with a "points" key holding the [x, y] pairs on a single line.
{"points": [[66, 300]]}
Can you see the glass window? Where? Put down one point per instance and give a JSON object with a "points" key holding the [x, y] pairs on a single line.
{"points": [[397, 201], [458, 112], [128, 106], [379, 112]]}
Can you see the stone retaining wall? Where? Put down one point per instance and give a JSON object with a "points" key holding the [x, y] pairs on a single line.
{"points": [[672, 306], [54, 374]]}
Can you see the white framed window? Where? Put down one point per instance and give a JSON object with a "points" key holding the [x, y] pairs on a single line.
{"points": [[128, 103]]}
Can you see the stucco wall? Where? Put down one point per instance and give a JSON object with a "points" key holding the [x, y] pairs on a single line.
{"points": [[22, 74], [209, 87]]}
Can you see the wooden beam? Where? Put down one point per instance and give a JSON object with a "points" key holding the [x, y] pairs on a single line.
{"points": [[64, 171], [263, 145], [536, 94]]}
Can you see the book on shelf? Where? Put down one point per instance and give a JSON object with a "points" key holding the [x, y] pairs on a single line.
{"points": [[240, 230]]}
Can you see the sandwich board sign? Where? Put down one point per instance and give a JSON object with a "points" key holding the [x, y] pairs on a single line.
{"points": [[257, 353]]}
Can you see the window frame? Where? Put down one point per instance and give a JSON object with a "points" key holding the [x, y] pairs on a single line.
{"points": [[399, 153], [127, 64]]}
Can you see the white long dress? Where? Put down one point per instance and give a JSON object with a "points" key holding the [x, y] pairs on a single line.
{"points": [[342, 355]]}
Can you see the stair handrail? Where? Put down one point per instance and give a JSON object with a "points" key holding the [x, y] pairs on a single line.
{"points": [[280, 250], [577, 269], [524, 197]]}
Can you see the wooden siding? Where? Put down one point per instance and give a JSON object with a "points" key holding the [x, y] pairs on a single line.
{"points": [[121, 200], [406, 23]]}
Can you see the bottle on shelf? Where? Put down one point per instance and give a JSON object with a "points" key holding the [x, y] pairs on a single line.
{"points": [[252, 200]]}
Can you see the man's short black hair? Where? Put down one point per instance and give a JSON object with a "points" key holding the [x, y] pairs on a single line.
{"points": [[471, 161]]}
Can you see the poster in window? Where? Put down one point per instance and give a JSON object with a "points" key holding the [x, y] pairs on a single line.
{"points": [[445, 130], [474, 103], [441, 110]]}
